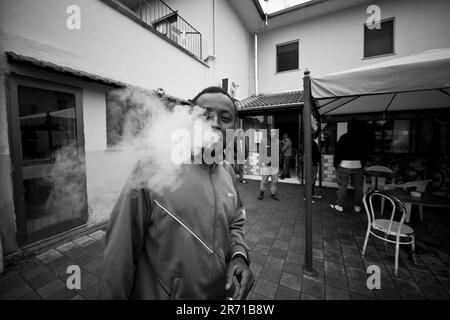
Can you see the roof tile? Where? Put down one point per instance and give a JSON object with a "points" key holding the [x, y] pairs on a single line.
{"points": [[271, 100]]}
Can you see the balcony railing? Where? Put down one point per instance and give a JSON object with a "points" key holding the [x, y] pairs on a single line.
{"points": [[168, 22]]}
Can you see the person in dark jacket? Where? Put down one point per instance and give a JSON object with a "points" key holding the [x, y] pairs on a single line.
{"points": [[286, 153], [186, 243], [349, 159]]}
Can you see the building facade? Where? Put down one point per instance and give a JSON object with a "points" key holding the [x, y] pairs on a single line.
{"points": [[331, 36]]}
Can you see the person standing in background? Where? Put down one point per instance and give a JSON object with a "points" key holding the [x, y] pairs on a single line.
{"points": [[286, 153], [240, 149], [315, 168], [268, 169], [316, 159], [281, 164], [349, 159]]}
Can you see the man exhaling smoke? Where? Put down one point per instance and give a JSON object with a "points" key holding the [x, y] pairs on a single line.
{"points": [[183, 243]]}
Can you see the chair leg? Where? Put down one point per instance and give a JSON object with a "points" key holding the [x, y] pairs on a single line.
{"points": [[385, 242], [365, 242], [413, 250], [397, 247], [382, 206], [408, 211], [421, 212]]}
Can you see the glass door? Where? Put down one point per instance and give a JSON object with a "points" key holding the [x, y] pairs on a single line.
{"points": [[48, 158]]}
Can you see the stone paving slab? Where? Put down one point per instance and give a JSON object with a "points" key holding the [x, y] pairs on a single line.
{"points": [[44, 277], [275, 232]]}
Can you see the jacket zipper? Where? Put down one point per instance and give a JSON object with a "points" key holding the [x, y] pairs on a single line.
{"points": [[214, 218], [184, 226]]}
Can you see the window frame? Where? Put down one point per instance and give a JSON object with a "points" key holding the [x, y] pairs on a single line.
{"points": [[298, 54], [393, 40], [412, 143]]}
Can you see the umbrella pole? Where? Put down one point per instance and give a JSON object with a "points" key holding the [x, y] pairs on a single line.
{"points": [[308, 264]]}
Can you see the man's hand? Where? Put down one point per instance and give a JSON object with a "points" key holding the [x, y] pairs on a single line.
{"points": [[238, 269]]}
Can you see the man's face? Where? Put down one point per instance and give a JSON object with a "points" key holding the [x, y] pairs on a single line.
{"points": [[220, 111]]}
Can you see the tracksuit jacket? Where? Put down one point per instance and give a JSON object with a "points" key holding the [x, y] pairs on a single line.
{"points": [[176, 245]]}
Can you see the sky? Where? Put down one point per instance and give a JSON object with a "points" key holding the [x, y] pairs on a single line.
{"points": [[275, 5]]}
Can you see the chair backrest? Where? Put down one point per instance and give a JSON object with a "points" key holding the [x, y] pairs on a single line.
{"points": [[369, 184], [378, 168], [381, 180], [395, 203]]}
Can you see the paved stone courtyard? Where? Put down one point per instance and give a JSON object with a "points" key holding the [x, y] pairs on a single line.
{"points": [[275, 232]]}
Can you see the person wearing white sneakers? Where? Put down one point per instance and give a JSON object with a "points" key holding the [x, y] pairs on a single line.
{"points": [[349, 159], [268, 168]]}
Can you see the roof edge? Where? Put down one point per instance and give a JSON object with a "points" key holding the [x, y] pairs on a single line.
{"points": [[35, 62], [259, 9], [279, 107], [296, 7]]}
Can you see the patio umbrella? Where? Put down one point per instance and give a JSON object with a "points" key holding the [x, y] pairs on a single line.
{"points": [[415, 82]]}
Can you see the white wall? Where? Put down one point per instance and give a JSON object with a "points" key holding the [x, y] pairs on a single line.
{"points": [[94, 118], [108, 44], [234, 49], [334, 42], [106, 171], [233, 42]]}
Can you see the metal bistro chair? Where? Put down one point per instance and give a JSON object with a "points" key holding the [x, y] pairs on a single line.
{"points": [[387, 229]]}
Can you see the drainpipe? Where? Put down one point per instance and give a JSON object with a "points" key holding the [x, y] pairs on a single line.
{"points": [[256, 64], [214, 27]]}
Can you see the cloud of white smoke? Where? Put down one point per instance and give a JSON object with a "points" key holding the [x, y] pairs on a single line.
{"points": [[163, 136]]}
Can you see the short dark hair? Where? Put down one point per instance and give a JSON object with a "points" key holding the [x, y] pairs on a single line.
{"points": [[353, 126], [214, 90]]}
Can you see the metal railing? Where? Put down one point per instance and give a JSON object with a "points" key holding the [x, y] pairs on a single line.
{"points": [[169, 23]]}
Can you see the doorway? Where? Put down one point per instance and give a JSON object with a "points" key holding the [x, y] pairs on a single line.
{"points": [[47, 151], [289, 122]]}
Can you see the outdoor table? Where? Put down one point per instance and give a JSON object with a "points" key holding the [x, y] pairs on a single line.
{"points": [[378, 174], [427, 200]]}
